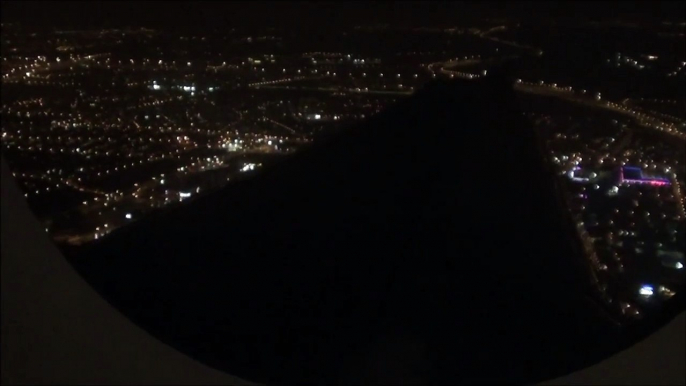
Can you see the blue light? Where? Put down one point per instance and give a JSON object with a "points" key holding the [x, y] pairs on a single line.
{"points": [[646, 290]]}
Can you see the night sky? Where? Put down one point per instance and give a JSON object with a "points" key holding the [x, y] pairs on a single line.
{"points": [[200, 14]]}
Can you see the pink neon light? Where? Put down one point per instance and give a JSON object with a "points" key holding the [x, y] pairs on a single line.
{"points": [[651, 182]]}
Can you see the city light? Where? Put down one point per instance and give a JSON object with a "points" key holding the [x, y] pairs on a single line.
{"points": [[646, 290], [128, 121]]}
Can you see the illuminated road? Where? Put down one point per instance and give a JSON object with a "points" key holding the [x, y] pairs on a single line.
{"points": [[281, 125], [23, 72], [552, 90], [338, 89], [641, 118], [669, 125]]}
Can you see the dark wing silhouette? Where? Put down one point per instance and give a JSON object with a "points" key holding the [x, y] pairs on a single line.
{"points": [[425, 244]]}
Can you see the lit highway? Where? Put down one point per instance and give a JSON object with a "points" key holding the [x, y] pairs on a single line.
{"points": [[568, 94]]}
